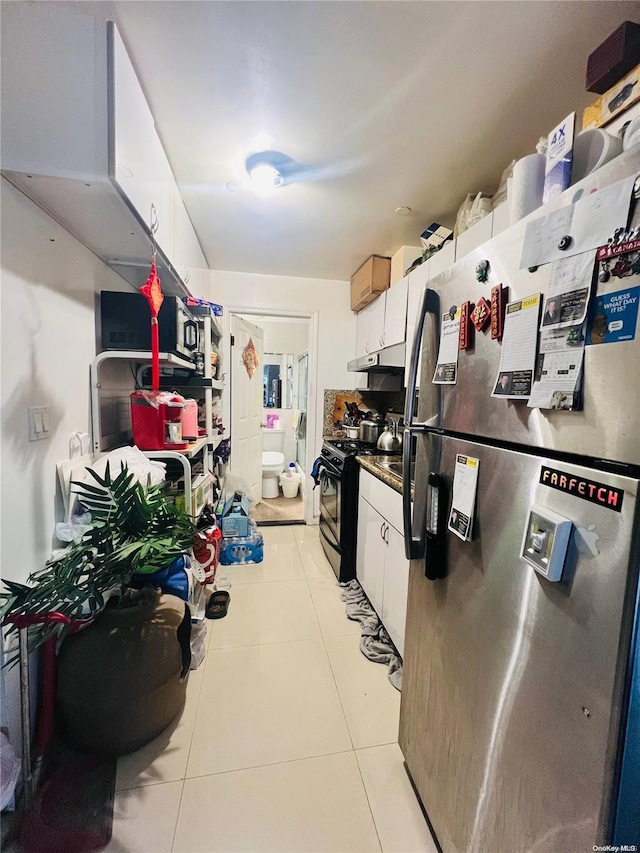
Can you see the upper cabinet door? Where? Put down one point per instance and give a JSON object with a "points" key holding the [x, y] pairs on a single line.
{"points": [[376, 323], [142, 170], [418, 280], [395, 317], [362, 332]]}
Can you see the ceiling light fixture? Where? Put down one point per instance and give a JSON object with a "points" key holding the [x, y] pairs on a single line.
{"points": [[267, 170], [264, 178], [403, 210]]}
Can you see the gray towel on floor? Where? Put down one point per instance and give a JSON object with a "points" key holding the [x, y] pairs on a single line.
{"points": [[375, 643]]}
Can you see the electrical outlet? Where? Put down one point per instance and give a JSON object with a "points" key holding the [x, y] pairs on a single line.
{"points": [[39, 424]]}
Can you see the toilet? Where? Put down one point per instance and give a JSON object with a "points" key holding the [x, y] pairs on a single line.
{"points": [[272, 461]]}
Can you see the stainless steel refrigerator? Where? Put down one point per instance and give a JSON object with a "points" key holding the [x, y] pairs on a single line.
{"points": [[520, 712]]}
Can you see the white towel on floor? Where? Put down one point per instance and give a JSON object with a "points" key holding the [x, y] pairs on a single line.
{"points": [[375, 643]]}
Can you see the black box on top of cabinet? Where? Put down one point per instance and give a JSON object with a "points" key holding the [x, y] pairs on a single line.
{"points": [[125, 322]]}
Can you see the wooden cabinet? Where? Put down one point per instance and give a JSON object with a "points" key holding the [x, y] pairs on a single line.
{"points": [[369, 280], [381, 566]]}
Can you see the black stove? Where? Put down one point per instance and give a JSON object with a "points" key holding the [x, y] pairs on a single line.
{"points": [[337, 450], [339, 477]]}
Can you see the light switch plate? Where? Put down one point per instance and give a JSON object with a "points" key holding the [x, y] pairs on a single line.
{"points": [[39, 422]]}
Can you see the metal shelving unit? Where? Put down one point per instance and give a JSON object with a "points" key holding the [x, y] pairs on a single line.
{"points": [[111, 404]]}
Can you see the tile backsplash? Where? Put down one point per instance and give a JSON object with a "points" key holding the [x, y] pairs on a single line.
{"points": [[379, 402]]}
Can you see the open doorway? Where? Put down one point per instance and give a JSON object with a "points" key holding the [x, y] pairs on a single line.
{"points": [[288, 395]]}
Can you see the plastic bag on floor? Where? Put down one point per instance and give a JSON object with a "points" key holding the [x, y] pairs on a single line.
{"points": [[198, 643]]}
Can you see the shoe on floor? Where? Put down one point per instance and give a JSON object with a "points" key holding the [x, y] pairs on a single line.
{"points": [[218, 605]]}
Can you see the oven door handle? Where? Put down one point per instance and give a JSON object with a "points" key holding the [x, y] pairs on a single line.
{"points": [[328, 541]]}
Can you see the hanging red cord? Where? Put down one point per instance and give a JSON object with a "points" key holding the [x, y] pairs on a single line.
{"points": [[153, 293]]}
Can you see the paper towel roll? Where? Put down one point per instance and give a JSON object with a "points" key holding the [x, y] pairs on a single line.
{"points": [[525, 191]]}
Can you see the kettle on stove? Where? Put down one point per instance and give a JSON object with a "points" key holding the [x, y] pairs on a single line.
{"points": [[390, 441]]}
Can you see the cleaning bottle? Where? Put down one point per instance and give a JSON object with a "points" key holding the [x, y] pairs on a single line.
{"points": [[292, 469]]}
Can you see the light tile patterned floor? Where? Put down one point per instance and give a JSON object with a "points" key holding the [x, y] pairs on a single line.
{"points": [[288, 739]]}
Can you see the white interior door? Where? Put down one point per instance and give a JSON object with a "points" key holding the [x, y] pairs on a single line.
{"points": [[245, 462]]}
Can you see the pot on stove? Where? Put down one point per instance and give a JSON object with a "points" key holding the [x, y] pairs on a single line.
{"points": [[371, 429]]}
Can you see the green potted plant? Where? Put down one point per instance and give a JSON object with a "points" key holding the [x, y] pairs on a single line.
{"points": [[120, 680]]}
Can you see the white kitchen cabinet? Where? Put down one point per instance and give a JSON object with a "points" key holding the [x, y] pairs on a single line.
{"points": [[396, 587], [370, 327], [395, 313], [363, 323], [376, 323], [381, 566], [370, 554], [476, 235], [78, 138], [141, 167], [444, 258], [501, 219], [188, 258], [383, 322]]}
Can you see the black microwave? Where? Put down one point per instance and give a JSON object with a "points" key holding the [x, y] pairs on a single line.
{"points": [[125, 321]]}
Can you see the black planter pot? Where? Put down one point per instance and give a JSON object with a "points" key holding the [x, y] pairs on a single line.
{"points": [[122, 680]]}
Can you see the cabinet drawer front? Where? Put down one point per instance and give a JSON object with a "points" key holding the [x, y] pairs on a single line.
{"points": [[383, 498]]}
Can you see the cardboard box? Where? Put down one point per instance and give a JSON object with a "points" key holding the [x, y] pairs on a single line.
{"points": [[402, 260], [235, 518], [614, 102], [371, 279], [615, 57]]}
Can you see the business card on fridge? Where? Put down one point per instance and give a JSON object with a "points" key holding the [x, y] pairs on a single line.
{"points": [[465, 485]]}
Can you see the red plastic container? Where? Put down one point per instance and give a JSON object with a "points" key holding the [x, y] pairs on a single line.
{"points": [[155, 420]]}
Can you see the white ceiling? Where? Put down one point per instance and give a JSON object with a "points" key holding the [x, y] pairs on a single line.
{"points": [[384, 103]]}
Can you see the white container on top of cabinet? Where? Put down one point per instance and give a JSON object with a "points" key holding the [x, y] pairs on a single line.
{"points": [[78, 138]]}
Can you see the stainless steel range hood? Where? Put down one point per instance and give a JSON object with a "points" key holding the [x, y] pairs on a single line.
{"points": [[389, 360]]}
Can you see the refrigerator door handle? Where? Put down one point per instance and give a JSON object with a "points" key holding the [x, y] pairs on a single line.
{"points": [[430, 304], [414, 542]]}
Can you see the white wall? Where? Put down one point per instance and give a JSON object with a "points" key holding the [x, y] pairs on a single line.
{"points": [[248, 292], [48, 340]]}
